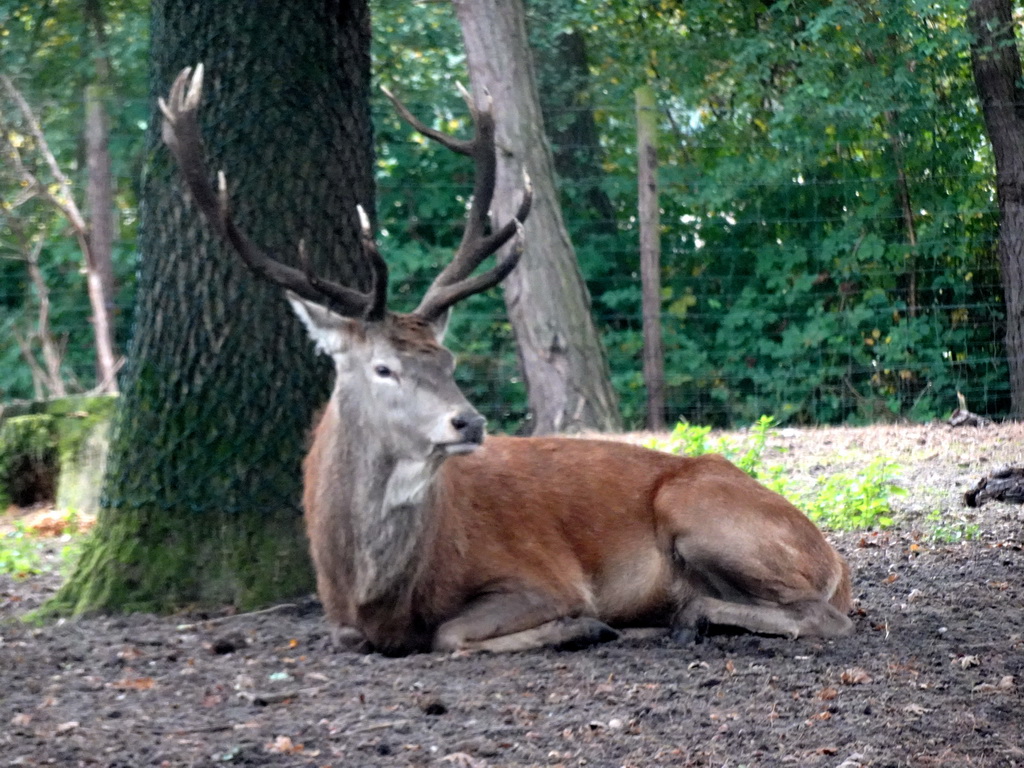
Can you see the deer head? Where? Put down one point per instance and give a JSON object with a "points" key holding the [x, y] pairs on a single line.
{"points": [[394, 378]]}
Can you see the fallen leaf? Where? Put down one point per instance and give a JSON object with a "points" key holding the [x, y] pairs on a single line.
{"points": [[68, 726], [966, 662], [819, 716], [853, 761], [134, 684], [282, 745], [21, 718], [466, 761], [854, 676], [1006, 684], [827, 694]]}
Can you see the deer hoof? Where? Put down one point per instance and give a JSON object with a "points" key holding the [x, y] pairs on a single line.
{"points": [[587, 632], [349, 640], [686, 635]]}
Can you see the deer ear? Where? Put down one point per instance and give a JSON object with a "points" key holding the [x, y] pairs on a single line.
{"points": [[440, 325], [331, 332]]}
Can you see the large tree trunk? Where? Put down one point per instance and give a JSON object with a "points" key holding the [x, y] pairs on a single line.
{"points": [[563, 362], [201, 498], [997, 75]]}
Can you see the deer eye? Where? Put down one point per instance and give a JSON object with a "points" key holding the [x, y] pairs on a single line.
{"points": [[383, 371]]}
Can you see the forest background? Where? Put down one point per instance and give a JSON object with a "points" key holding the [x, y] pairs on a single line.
{"points": [[828, 211]]}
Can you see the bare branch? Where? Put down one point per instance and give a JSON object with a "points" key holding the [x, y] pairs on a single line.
{"points": [[65, 200], [47, 377]]}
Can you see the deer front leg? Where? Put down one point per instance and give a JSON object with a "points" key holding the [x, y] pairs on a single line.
{"points": [[517, 621]]}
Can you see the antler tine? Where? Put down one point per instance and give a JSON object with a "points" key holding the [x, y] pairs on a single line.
{"points": [[440, 298], [379, 293], [180, 131], [461, 146], [481, 149], [454, 283], [481, 248]]}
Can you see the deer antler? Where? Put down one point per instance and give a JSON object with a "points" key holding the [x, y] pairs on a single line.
{"points": [[454, 282], [181, 133]]}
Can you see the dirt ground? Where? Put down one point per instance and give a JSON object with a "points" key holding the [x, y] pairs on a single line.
{"points": [[932, 676]]}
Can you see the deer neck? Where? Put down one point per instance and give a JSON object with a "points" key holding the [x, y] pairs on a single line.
{"points": [[390, 512]]}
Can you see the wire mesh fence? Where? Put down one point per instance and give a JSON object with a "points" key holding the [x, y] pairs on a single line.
{"points": [[812, 294]]}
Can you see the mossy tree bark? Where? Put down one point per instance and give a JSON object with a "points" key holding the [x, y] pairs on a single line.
{"points": [[203, 483]]}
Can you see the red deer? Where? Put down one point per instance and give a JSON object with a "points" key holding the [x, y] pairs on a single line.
{"points": [[426, 536]]}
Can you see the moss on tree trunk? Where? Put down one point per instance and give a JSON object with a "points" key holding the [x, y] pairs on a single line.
{"points": [[201, 495]]}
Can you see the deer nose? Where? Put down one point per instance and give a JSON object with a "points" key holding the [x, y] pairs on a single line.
{"points": [[470, 426]]}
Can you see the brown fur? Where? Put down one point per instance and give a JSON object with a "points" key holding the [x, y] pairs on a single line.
{"points": [[528, 539]]}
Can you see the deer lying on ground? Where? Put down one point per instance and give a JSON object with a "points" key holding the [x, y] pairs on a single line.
{"points": [[426, 536]]}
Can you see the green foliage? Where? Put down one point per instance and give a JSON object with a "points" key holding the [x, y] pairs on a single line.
{"points": [[940, 529], [685, 439], [51, 53], [828, 249], [828, 245], [839, 501], [691, 440], [20, 551], [854, 502]]}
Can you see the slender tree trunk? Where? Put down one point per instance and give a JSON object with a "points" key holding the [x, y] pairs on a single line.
{"points": [[100, 203], [100, 206], [201, 498], [650, 253], [563, 362], [995, 58], [47, 380], [52, 357]]}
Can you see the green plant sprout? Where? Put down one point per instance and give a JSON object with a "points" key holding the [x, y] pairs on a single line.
{"points": [[950, 531]]}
